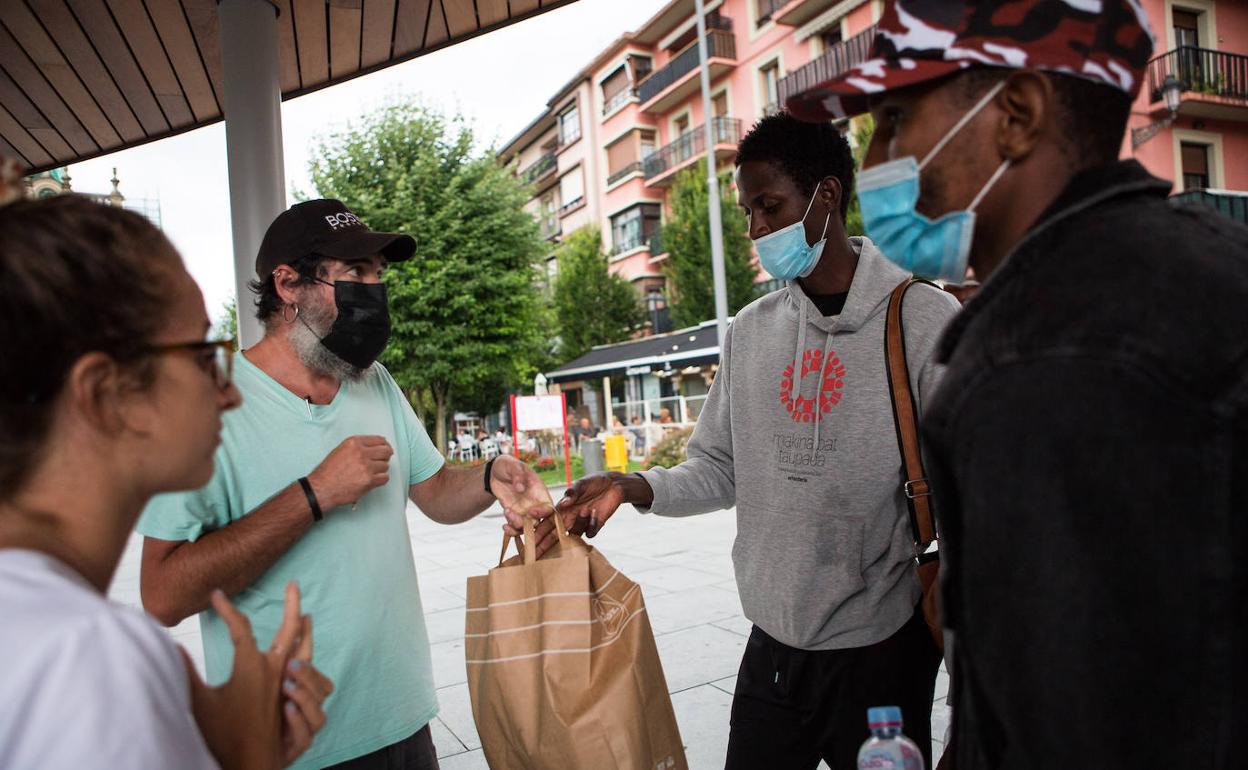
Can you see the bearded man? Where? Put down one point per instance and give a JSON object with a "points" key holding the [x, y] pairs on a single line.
{"points": [[312, 480]]}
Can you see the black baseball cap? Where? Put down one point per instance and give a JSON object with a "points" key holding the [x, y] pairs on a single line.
{"points": [[327, 228]]}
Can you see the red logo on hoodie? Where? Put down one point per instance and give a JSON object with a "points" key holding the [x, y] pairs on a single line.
{"points": [[832, 380]]}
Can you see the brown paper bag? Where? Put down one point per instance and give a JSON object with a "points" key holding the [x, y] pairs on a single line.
{"points": [[562, 667]]}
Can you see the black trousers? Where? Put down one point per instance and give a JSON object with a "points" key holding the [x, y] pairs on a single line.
{"points": [[794, 707], [416, 752]]}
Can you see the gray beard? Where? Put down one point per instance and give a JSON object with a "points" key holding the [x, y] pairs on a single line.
{"points": [[306, 333]]}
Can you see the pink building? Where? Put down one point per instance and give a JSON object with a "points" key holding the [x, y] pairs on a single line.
{"points": [[636, 110], [1203, 45]]}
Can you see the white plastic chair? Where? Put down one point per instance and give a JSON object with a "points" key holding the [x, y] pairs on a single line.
{"points": [[489, 449], [467, 452]]}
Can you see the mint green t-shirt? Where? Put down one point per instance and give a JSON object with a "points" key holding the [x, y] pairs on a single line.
{"points": [[354, 568]]}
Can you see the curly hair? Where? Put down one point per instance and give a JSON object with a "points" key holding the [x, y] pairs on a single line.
{"points": [[807, 153], [268, 303]]}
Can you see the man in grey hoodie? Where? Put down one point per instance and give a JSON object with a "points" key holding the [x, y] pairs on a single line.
{"points": [[798, 433]]}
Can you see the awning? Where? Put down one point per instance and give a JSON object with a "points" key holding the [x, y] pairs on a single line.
{"points": [[688, 347], [81, 78]]}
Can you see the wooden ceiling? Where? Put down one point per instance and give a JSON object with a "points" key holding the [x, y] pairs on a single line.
{"points": [[80, 78]]}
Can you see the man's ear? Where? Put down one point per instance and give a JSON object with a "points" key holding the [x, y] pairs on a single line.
{"points": [[830, 194], [286, 281], [1028, 105]]}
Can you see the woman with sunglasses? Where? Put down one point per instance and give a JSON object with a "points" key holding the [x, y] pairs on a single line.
{"points": [[108, 395]]}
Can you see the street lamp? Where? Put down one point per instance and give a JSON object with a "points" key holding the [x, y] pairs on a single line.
{"points": [[1171, 93]]}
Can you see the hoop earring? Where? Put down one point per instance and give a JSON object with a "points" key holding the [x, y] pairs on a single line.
{"points": [[290, 320]]}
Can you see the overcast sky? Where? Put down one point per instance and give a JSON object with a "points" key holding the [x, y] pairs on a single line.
{"points": [[501, 81]]}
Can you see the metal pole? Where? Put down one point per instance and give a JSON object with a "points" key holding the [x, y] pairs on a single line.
{"points": [[712, 184], [253, 139]]}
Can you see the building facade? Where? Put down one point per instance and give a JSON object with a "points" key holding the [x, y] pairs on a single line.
{"points": [[1203, 147], [57, 182], [608, 147]]}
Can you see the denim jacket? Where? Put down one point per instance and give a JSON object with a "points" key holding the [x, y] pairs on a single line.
{"points": [[1088, 449]]}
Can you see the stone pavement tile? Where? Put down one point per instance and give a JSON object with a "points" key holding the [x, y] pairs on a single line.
{"points": [[941, 714], [444, 741], [668, 579], [738, 624], [455, 711], [702, 714], [727, 684], [699, 655], [942, 684], [446, 625], [715, 562], [685, 609], [469, 760], [435, 599], [629, 564], [448, 663]]}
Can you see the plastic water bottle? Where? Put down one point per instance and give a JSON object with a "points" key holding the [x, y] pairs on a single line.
{"points": [[887, 748]]}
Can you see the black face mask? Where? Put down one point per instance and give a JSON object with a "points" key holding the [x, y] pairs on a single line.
{"points": [[362, 328]]}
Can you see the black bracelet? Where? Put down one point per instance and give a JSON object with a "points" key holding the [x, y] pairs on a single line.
{"points": [[312, 502], [489, 466]]}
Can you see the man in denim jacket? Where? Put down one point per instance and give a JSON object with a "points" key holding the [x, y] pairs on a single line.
{"points": [[1089, 441]]}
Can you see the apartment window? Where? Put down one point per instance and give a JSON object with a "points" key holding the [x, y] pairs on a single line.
{"points": [[572, 188], [765, 10], [770, 75], [1186, 28], [569, 125], [633, 227], [647, 144], [642, 67], [622, 157], [681, 125], [831, 37], [548, 223], [719, 104], [615, 90], [1195, 158]]}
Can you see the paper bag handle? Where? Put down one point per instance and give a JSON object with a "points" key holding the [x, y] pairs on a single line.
{"points": [[527, 546]]}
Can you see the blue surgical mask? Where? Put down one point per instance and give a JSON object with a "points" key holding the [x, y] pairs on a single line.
{"points": [[929, 248], [785, 254]]}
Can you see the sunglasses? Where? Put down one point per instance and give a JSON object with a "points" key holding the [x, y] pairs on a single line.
{"points": [[215, 357]]}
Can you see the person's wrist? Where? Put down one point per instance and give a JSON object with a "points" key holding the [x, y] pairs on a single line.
{"points": [[634, 488], [323, 494]]}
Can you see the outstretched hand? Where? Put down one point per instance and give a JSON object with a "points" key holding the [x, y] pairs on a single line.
{"points": [[589, 503], [266, 715]]}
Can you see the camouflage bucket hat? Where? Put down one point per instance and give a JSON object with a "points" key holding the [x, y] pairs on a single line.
{"points": [[1106, 41]]}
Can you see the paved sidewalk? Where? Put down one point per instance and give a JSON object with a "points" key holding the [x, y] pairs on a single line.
{"points": [[685, 569]]}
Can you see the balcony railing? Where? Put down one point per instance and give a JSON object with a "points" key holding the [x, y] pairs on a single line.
{"points": [[691, 144], [1202, 71], [766, 8], [1233, 205], [570, 205], [631, 168], [833, 62], [539, 168], [719, 43], [619, 100]]}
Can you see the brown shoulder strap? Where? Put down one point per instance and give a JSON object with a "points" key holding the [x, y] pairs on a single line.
{"points": [[918, 493]]}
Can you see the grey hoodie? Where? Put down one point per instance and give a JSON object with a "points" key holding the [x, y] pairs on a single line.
{"points": [[823, 554]]}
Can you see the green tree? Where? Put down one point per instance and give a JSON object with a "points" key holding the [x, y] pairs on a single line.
{"points": [[687, 236], [226, 327], [466, 312], [592, 306], [863, 128]]}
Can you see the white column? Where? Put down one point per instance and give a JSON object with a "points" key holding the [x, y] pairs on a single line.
{"points": [[253, 139], [712, 184]]}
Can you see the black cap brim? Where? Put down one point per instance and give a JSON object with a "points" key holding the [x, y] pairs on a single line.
{"points": [[361, 244]]}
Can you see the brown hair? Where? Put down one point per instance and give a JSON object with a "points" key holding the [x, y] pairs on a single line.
{"points": [[75, 277]]}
